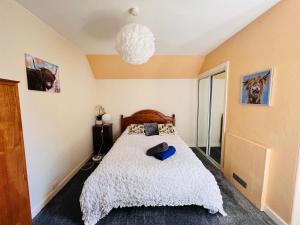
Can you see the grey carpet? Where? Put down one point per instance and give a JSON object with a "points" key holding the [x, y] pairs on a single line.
{"points": [[64, 208], [215, 153]]}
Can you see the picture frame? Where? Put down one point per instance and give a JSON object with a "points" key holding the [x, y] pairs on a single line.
{"points": [[256, 88], [42, 75]]}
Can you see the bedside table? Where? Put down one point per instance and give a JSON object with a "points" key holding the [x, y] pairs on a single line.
{"points": [[105, 136]]}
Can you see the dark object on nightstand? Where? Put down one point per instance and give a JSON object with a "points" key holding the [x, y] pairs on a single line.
{"points": [[105, 136]]}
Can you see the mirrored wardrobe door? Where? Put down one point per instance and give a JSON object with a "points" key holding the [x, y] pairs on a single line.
{"points": [[203, 114], [218, 85]]}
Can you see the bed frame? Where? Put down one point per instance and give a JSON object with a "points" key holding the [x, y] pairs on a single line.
{"points": [[146, 116]]}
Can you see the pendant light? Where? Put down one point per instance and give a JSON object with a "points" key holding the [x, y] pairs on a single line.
{"points": [[135, 42]]}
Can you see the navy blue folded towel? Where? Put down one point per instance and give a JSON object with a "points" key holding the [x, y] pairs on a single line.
{"points": [[157, 148], [166, 154]]}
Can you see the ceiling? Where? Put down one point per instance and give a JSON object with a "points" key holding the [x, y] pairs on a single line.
{"points": [[181, 27]]}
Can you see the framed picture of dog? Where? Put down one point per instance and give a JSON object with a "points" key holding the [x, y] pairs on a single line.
{"points": [[41, 75], [256, 88]]}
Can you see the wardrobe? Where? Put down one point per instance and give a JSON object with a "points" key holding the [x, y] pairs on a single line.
{"points": [[14, 195], [210, 115]]}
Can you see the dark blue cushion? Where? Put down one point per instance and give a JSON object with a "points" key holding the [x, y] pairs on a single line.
{"points": [[166, 154], [157, 149], [151, 129]]}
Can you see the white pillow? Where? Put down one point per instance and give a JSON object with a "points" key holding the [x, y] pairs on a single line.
{"points": [[136, 129], [167, 128]]}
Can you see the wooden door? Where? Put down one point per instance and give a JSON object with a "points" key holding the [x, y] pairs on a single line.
{"points": [[14, 195]]}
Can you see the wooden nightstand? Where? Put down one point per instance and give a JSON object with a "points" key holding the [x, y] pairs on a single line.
{"points": [[105, 136]]}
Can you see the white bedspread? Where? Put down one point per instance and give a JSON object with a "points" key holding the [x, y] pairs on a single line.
{"points": [[128, 177]]}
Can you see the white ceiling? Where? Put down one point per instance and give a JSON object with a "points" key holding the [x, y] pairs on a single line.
{"points": [[179, 26]]}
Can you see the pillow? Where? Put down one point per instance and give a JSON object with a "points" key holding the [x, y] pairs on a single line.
{"points": [[167, 128], [136, 129], [151, 129]]}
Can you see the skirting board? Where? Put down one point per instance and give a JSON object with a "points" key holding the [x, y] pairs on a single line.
{"points": [[60, 185], [277, 219]]}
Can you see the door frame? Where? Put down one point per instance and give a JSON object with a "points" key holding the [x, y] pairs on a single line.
{"points": [[296, 200], [209, 73]]}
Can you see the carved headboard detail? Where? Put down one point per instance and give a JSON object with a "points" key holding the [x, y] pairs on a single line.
{"points": [[146, 116]]}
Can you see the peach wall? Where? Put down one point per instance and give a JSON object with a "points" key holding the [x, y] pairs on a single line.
{"points": [[158, 67], [273, 40]]}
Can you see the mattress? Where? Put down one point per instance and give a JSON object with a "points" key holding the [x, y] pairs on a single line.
{"points": [[127, 177]]}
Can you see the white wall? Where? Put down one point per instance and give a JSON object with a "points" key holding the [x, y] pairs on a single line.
{"points": [[176, 96], [57, 127]]}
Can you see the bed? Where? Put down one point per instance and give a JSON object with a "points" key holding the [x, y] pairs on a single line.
{"points": [[127, 177]]}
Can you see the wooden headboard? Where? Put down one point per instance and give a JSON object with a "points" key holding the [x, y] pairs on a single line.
{"points": [[146, 116]]}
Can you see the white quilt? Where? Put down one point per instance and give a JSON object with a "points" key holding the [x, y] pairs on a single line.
{"points": [[128, 177]]}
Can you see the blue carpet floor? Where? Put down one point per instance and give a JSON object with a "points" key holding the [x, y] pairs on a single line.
{"points": [[64, 208]]}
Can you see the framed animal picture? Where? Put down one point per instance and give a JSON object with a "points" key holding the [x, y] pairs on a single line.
{"points": [[256, 88], [41, 75]]}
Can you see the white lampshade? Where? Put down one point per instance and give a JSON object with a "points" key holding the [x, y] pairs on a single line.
{"points": [[135, 43], [106, 118]]}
